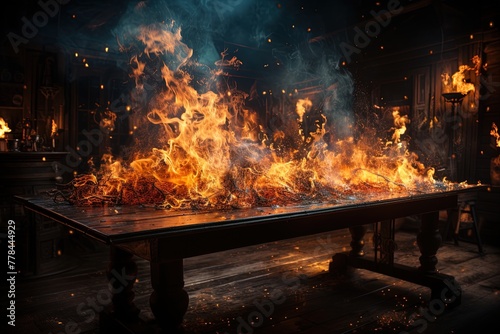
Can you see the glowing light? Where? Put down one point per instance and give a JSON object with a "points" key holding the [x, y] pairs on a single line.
{"points": [[457, 82], [54, 129], [200, 148], [494, 133], [4, 128]]}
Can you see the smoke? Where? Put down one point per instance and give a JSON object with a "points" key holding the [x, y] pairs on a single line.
{"points": [[207, 24], [270, 33]]}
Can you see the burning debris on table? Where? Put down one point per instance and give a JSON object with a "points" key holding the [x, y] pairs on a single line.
{"points": [[207, 148]]}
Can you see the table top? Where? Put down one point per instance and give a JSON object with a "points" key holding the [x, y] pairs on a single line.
{"points": [[123, 224]]}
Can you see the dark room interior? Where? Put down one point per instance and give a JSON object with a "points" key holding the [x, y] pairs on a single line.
{"points": [[260, 166]]}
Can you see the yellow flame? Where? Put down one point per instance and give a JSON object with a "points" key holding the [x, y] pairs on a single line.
{"points": [[399, 125], [4, 128], [54, 129], [204, 148], [495, 134], [457, 82]]}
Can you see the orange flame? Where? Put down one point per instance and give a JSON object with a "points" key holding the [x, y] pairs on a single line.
{"points": [[495, 134], [54, 128], [4, 128], [457, 82], [204, 148]]}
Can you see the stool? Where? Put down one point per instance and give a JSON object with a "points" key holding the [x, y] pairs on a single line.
{"points": [[467, 206]]}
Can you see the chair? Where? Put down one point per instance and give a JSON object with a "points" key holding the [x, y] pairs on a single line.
{"points": [[466, 219]]}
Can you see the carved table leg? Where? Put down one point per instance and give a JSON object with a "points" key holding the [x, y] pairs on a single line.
{"points": [[122, 273], [340, 261], [444, 288], [169, 301], [445, 291], [357, 240], [429, 240]]}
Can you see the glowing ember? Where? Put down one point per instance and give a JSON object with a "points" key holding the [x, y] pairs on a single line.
{"points": [[204, 148], [4, 128]]}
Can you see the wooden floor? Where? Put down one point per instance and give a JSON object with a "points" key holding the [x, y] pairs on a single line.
{"points": [[281, 287]]}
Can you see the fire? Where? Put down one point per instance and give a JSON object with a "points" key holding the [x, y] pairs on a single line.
{"points": [[203, 148], [54, 129], [458, 82], [399, 126], [495, 134], [4, 128]]}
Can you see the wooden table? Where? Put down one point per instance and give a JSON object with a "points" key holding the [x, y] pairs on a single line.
{"points": [[165, 238]]}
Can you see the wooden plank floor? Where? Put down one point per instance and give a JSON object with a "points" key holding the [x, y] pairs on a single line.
{"points": [[281, 287]]}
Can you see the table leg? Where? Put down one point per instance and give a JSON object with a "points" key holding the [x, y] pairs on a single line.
{"points": [[169, 301], [340, 261], [122, 273], [445, 291], [357, 240], [429, 240]]}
